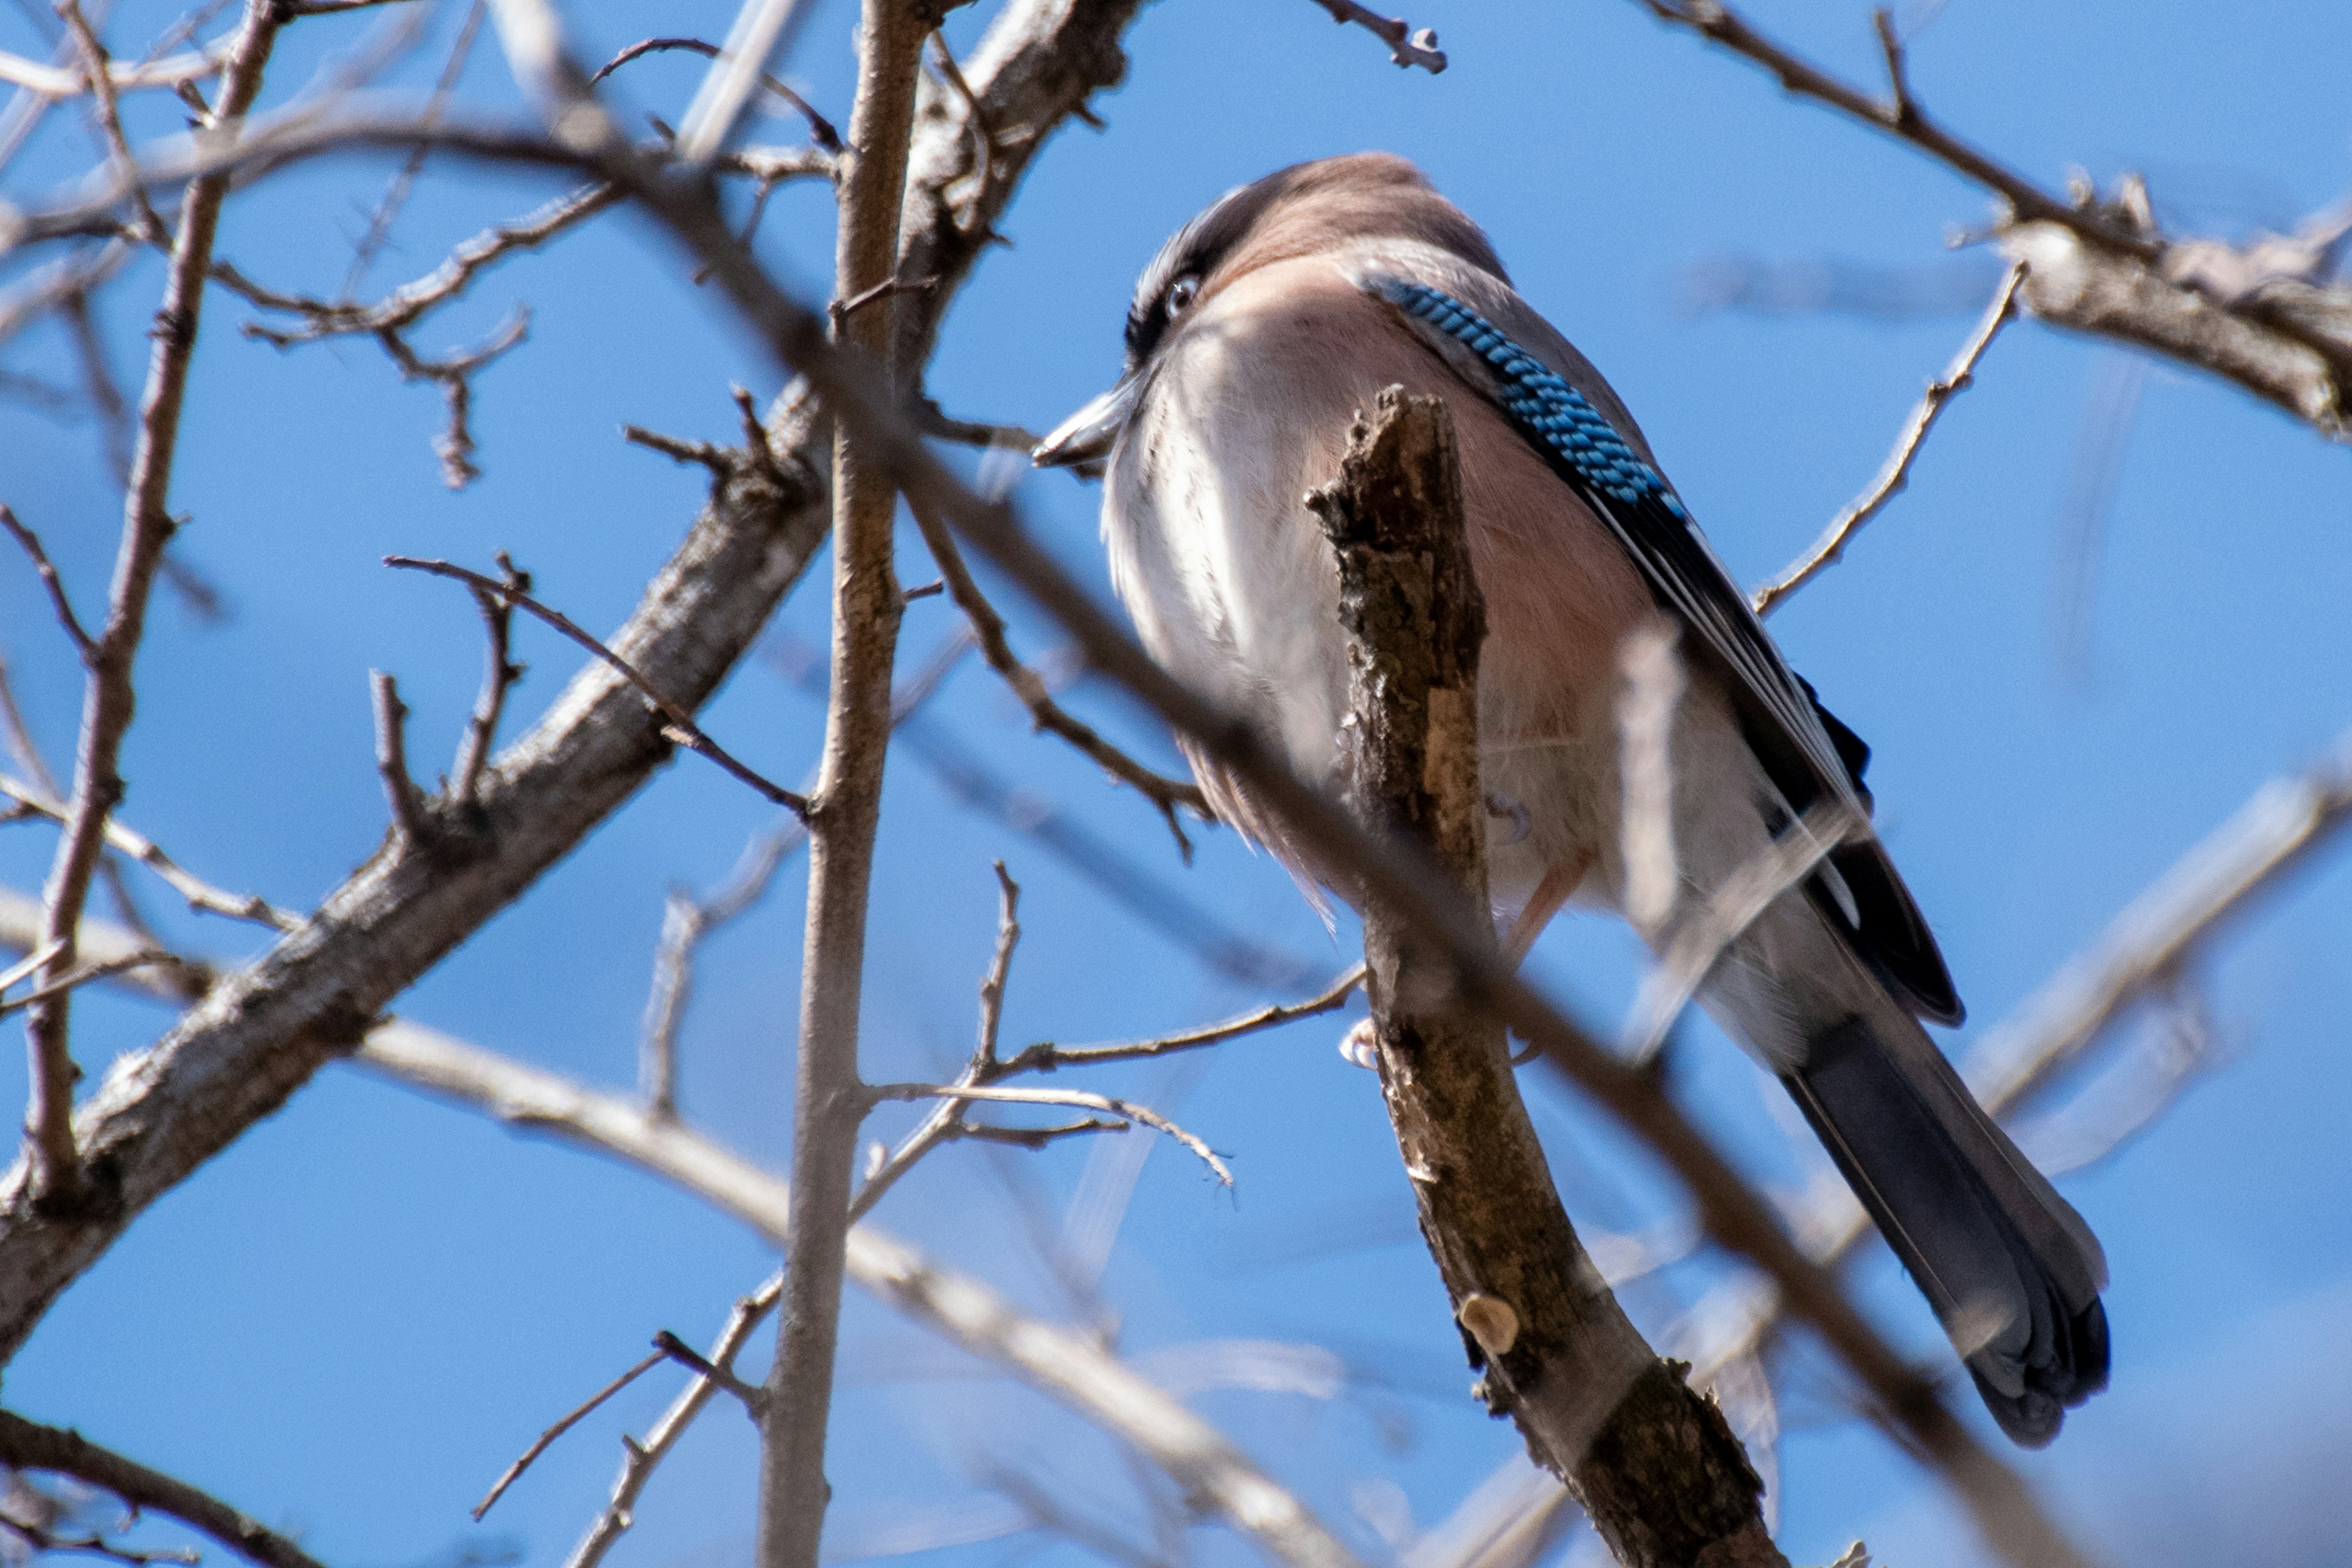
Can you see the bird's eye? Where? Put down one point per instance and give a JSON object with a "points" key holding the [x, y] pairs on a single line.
{"points": [[1180, 295]]}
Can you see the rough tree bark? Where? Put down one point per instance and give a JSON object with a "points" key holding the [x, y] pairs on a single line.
{"points": [[1653, 1462]]}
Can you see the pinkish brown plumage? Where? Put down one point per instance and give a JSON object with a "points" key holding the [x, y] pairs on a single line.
{"points": [[1256, 335]]}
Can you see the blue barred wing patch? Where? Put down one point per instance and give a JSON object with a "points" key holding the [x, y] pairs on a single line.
{"points": [[1785, 723], [1546, 407]]}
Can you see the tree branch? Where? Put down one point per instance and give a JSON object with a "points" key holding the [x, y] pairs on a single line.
{"points": [[988, 627], [1657, 1469], [680, 727], [867, 607], [1406, 47], [1066, 1366], [2095, 267], [1896, 471], [28, 1446], [58, 1184]]}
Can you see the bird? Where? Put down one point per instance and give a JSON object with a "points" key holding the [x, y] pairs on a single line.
{"points": [[1253, 338]]}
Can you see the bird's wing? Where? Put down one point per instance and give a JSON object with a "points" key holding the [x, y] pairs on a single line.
{"points": [[1792, 734]]}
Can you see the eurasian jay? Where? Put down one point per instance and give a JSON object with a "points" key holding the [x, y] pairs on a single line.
{"points": [[1255, 335]]}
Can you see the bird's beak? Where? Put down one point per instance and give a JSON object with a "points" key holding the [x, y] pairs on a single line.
{"points": [[1086, 438]]}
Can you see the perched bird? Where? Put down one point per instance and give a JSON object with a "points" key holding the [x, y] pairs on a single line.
{"points": [[1255, 335]]}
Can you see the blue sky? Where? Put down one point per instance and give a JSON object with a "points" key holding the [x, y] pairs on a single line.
{"points": [[356, 1317]]}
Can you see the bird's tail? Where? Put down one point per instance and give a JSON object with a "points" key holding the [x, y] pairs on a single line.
{"points": [[2008, 1264]]}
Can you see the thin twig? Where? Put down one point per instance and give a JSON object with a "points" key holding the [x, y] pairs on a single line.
{"points": [[50, 580], [1895, 473], [500, 672], [821, 130], [104, 970], [946, 1122], [1067, 1364], [578, 1414], [640, 1458], [753, 1399], [399, 792], [1164, 793], [455, 376], [200, 894], [1046, 1057], [98, 73], [1406, 47], [1082, 1099], [973, 433], [44, 1540], [402, 306], [395, 195], [18, 739], [681, 727]]}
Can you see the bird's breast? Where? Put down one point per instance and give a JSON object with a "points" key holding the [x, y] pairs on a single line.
{"points": [[1232, 587]]}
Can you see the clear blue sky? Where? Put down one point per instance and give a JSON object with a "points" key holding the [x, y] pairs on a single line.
{"points": [[356, 1317]]}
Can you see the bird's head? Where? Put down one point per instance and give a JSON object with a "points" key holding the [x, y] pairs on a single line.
{"points": [[1307, 209]]}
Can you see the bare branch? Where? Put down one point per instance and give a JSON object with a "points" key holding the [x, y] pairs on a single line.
{"points": [[50, 580], [1082, 1099], [58, 1184], [499, 673], [563, 1423], [2273, 834], [1164, 793], [404, 305], [2095, 267], [639, 1459], [60, 81], [821, 130], [1406, 47], [680, 727], [98, 72], [28, 1446], [1895, 473], [455, 376], [867, 613], [1658, 1471], [1046, 1057], [400, 790], [1066, 1365], [200, 894], [105, 969], [969, 433]]}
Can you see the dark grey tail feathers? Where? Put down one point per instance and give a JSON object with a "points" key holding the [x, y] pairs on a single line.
{"points": [[2010, 1269]]}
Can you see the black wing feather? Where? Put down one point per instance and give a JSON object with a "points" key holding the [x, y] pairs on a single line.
{"points": [[1806, 752]]}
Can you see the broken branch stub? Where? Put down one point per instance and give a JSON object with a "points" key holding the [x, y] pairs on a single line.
{"points": [[1653, 1462]]}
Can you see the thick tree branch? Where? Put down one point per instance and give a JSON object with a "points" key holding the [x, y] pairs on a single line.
{"points": [[1657, 1469]]}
